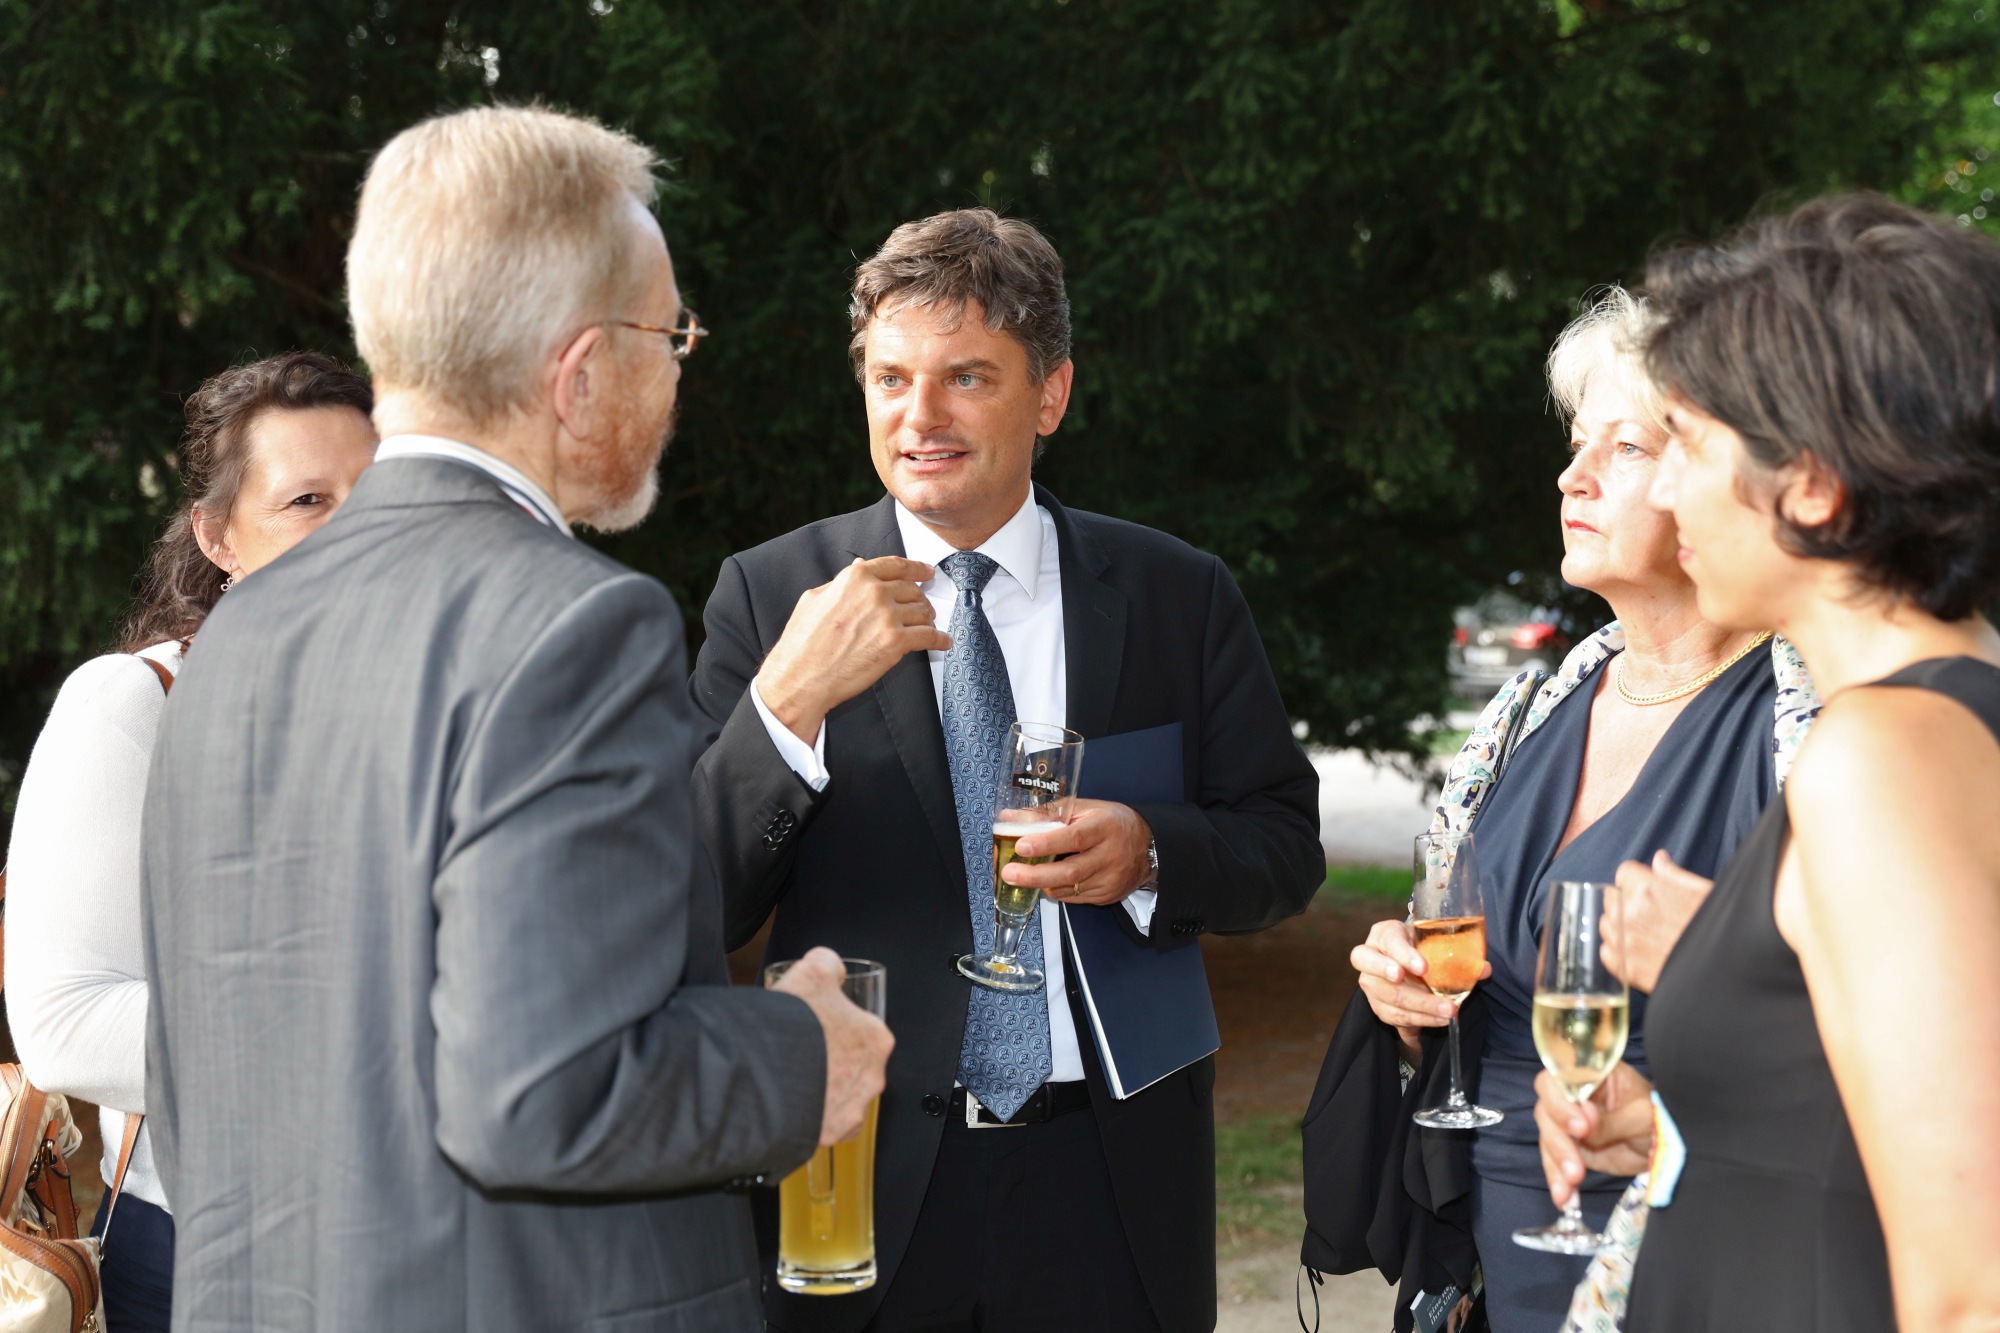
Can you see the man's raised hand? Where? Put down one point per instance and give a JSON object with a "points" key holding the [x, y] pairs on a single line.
{"points": [[843, 636]]}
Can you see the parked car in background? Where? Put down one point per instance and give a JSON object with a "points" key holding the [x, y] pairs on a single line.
{"points": [[1497, 638]]}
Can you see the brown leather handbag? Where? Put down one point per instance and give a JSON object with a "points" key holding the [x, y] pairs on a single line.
{"points": [[48, 1273]]}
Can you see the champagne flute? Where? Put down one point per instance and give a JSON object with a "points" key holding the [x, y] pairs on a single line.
{"points": [[1583, 1013], [1448, 916], [1034, 796]]}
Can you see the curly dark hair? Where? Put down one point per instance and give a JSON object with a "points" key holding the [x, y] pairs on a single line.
{"points": [[180, 585], [1867, 335]]}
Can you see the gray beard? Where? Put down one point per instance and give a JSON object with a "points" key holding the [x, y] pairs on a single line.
{"points": [[628, 513]]}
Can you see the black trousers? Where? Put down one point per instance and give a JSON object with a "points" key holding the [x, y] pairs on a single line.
{"points": [[1018, 1233], [138, 1268]]}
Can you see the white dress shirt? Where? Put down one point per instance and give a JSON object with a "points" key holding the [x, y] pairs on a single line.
{"points": [[1024, 605], [520, 488]]}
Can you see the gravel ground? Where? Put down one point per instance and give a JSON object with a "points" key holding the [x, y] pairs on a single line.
{"points": [[1256, 1297], [1368, 814]]}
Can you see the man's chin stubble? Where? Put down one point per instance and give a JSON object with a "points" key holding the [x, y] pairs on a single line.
{"points": [[628, 513], [630, 510]]}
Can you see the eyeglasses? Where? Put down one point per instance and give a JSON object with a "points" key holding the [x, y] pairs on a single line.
{"points": [[681, 341]]}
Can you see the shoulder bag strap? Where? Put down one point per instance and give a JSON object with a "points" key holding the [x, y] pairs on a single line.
{"points": [[166, 676], [131, 1140], [23, 1141]]}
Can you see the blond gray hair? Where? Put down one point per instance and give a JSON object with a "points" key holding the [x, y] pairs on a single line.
{"points": [[1607, 339], [485, 239]]}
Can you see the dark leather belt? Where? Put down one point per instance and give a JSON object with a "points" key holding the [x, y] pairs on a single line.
{"points": [[1044, 1104]]}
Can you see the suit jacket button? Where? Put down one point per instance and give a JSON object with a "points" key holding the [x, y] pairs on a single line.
{"points": [[933, 1104]]}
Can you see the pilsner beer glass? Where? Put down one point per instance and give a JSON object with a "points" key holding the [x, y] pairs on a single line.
{"points": [[1034, 796], [1583, 1013], [826, 1208], [1448, 917]]}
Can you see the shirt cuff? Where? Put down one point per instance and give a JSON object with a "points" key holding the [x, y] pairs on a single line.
{"points": [[809, 762], [1139, 904]]}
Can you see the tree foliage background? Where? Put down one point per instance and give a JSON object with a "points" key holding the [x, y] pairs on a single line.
{"points": [[1316, 250]]}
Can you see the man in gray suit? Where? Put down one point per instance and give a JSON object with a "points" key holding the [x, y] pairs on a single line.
{"points": [[440, 1035]]}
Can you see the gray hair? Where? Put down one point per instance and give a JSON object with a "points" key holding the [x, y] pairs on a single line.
{"points": [[485, 239], [1608, 338]]}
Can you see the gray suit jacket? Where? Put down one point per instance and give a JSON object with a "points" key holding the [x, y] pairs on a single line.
{"points": [[441, 1036]]}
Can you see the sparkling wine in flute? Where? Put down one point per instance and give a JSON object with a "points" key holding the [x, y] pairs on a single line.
{"points": [[1454, 951], [1012, 899], [1583, 1011], [1448, 921], [1580, 1037]]}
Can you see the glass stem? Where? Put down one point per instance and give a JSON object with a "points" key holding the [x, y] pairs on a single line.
{"points": [[1457, 1096], [1007, 937], [1572, 1210], [1572, 1218]]}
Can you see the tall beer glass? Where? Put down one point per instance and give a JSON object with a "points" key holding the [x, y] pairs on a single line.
{"points": [[826, 1208], [1044, 762]]}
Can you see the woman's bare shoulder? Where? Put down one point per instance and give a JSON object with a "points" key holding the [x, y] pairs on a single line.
{"points": [[1885, 752]]}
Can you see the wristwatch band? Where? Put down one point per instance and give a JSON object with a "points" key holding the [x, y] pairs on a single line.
{"points": [[1152, 864]]}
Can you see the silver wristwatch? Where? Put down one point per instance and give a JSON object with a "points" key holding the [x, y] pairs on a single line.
{"points": [[1152, 880]]}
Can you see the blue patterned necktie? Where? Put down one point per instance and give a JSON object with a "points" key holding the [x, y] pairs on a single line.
{"points": [[1006, 1052]]}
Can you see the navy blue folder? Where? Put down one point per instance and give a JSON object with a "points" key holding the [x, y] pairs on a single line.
{"points": [[1149, 1008]]}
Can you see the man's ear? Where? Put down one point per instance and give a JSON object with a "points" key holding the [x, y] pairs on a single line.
{"points": [[1809, 494], [211, 534], [577, 394], [1055, 398]]}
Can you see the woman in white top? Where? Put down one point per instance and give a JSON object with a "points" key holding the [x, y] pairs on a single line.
{"points": [[272, 449]]}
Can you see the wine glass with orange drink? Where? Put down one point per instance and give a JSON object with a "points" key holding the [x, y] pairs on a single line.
{"points": [[1448, 917]]}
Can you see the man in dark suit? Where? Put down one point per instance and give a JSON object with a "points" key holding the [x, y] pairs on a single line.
{"points": [[857, 682]]}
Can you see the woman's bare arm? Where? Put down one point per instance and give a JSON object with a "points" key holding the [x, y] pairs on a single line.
{"points": [[1890, 894]]}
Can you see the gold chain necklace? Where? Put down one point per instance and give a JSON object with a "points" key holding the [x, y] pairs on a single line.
{"points": [[1682, 691]]}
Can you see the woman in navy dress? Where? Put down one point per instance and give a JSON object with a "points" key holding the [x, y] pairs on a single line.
{"points": [[1654, 739], [1828, 1062]]}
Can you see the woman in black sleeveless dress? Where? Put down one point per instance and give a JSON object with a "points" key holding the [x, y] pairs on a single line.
{"points": [[1821, 1038]]}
